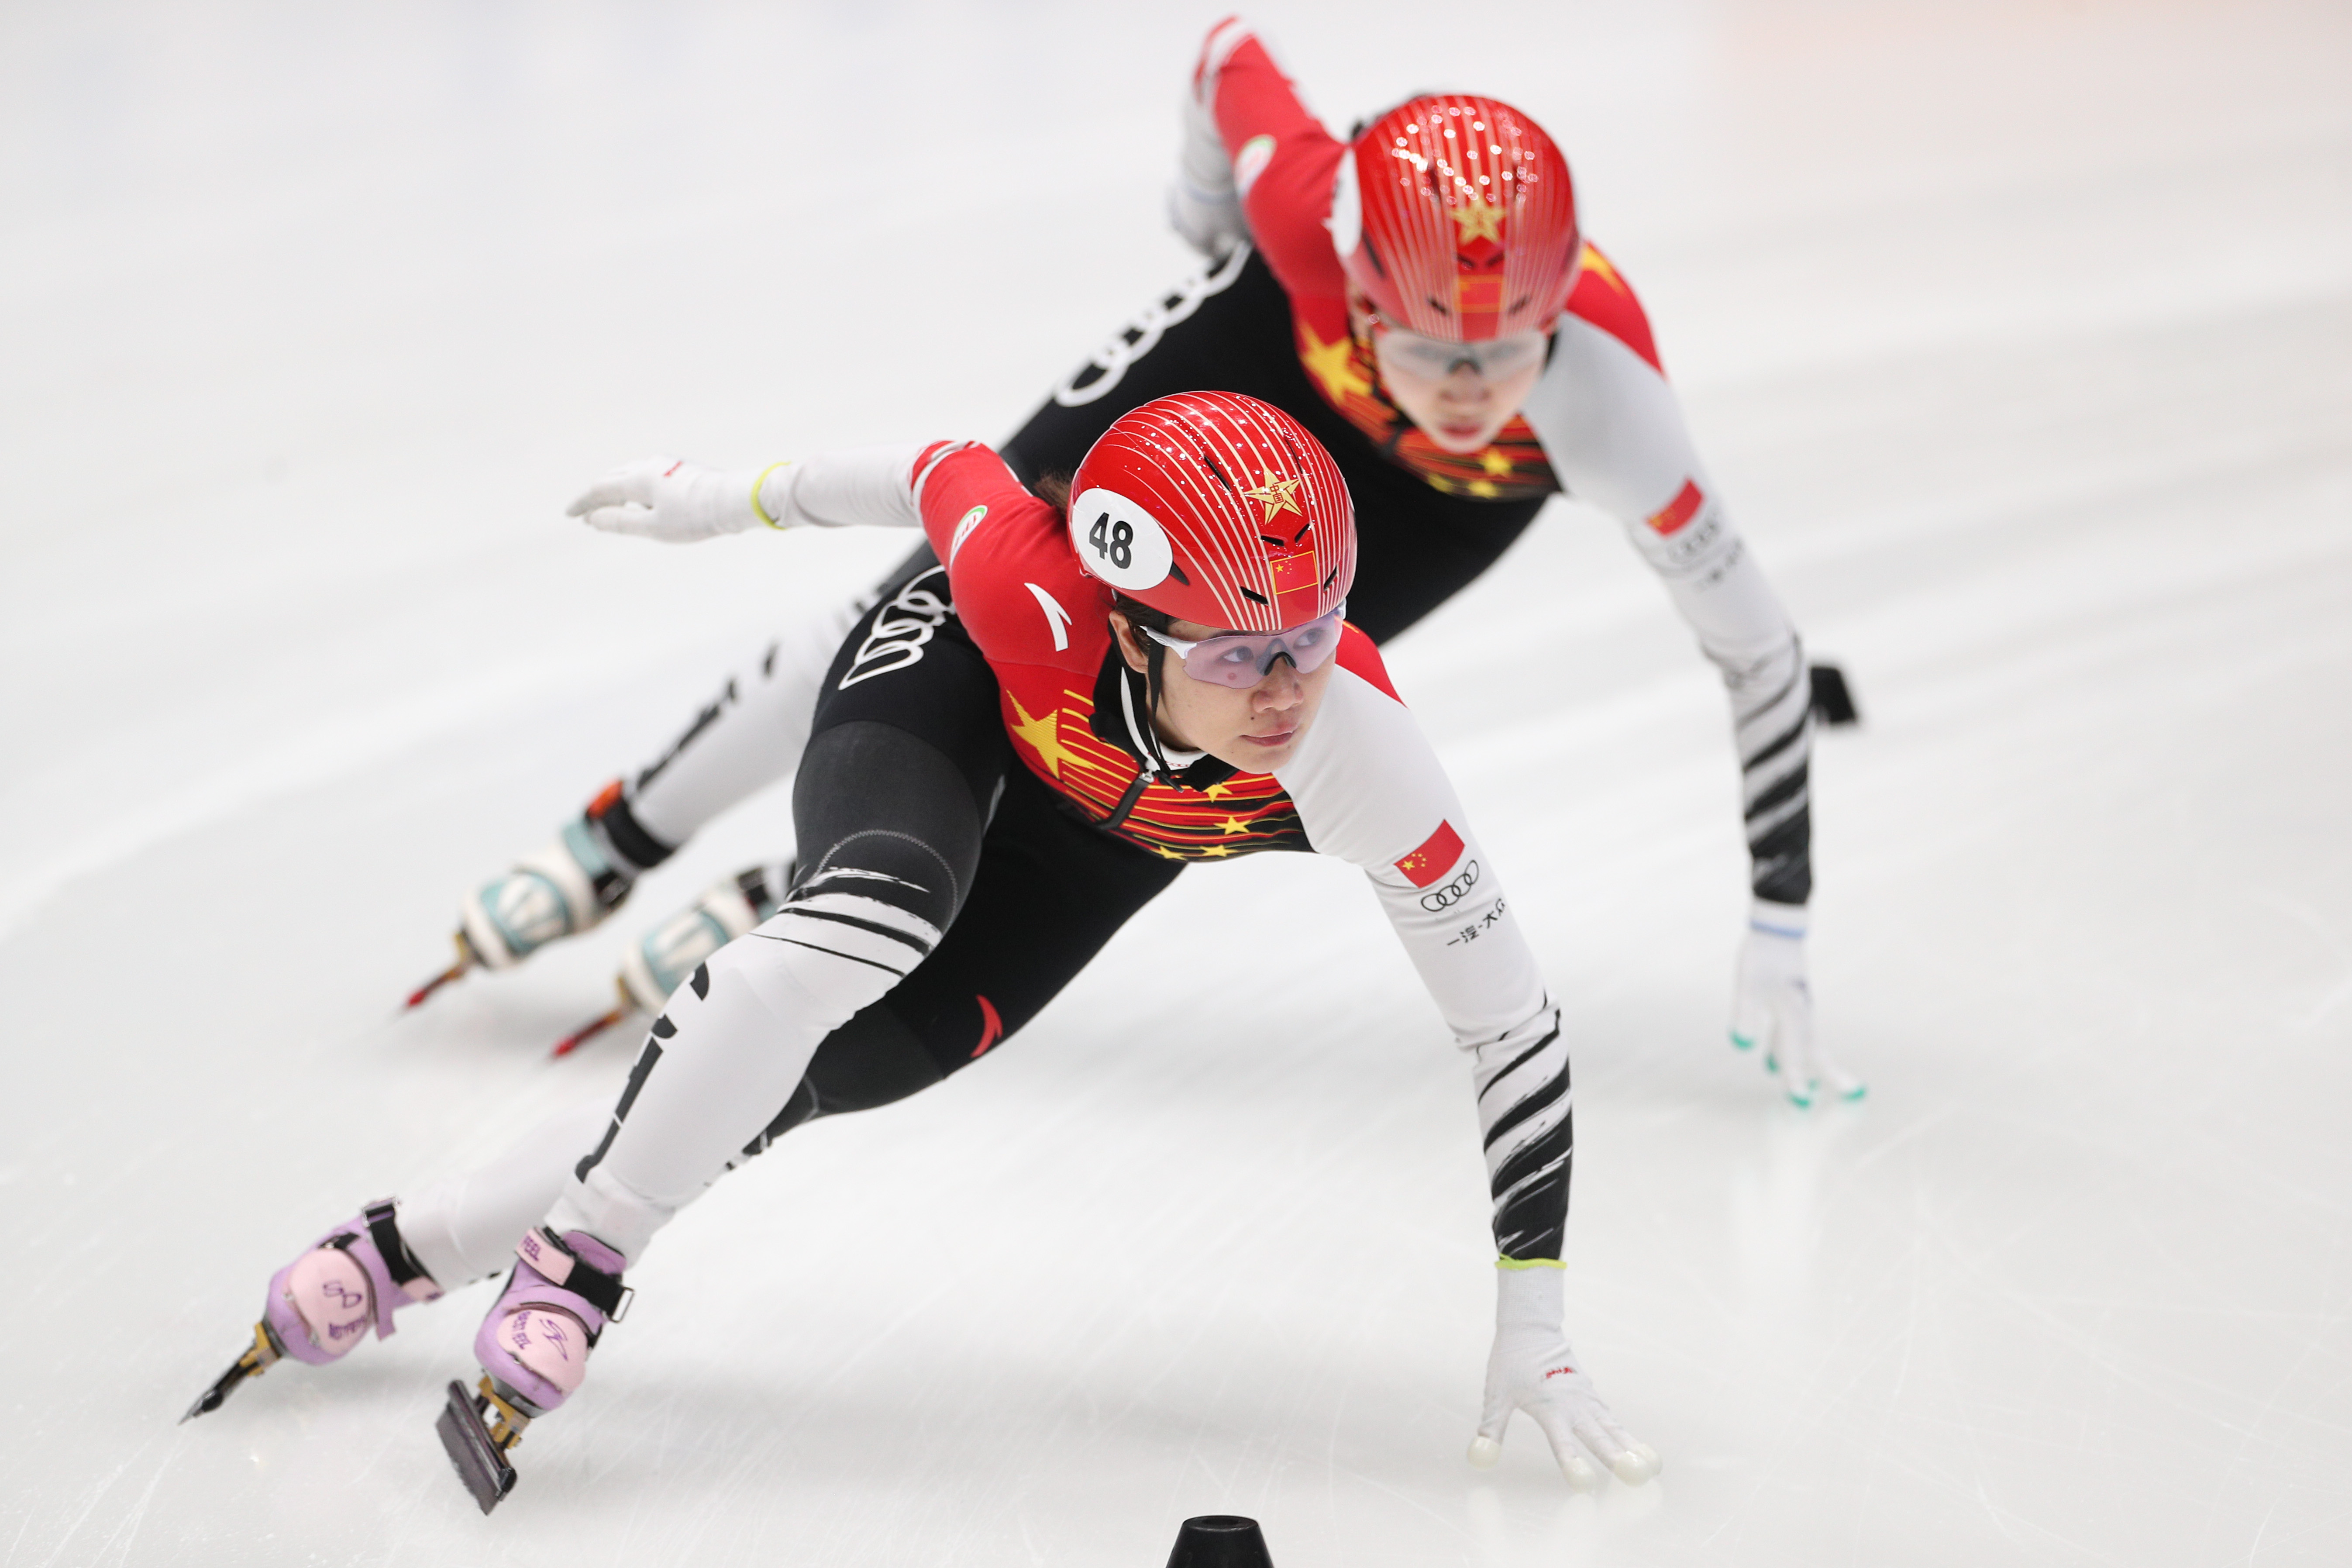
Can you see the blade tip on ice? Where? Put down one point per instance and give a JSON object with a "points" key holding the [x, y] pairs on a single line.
{"points": [[465, 960], [595, 1026], [417, 997], [265, 1352]]}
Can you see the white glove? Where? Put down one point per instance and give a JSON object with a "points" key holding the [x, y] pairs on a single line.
{"points": [[1533, 1370], [1203, 206], [1773, 1006], [678, 502]]}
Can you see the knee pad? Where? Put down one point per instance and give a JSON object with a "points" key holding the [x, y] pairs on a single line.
{"points": [[887, 816]]}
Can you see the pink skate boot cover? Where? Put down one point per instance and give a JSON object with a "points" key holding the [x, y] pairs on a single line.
{"points": [[324, 1303], [537, 1339], [328, 1294]]}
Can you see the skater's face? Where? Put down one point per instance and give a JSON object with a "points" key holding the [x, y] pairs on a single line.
{"points": [[1461, 394], [1256, 728]]}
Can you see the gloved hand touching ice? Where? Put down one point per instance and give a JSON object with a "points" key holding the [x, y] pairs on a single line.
{"points": [[1532, 1369], [1773, 1006]]}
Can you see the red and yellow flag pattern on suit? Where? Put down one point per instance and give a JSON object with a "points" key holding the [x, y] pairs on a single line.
{"points": [[1342, 366], [1053, 730], [1512, 465]]}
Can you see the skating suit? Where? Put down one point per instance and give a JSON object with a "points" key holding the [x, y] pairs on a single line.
{"points": [[1364, 786]]}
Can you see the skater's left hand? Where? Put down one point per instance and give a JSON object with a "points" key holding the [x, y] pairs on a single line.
{"points": [[670, 500], [1773, 1006], [1533, 1370]]}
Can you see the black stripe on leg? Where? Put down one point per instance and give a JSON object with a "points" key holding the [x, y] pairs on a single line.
{"points": [[851, 956], [803, 912], [637, 1075]]}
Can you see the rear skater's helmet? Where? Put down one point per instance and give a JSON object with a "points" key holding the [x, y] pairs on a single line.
{"points": [[1215, 508], [1454, 215]]}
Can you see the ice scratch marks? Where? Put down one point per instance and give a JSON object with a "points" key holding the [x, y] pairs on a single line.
{"points": [[97, 1494]]}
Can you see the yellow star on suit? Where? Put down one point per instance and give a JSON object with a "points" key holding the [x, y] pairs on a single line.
{"points": [[1041, 735], [1333, 364]]}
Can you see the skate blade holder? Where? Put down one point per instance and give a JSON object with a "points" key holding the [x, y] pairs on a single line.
{"points": [[478, 1447], [259, 1357]]}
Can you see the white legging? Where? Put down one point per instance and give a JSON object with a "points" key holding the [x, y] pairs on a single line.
{"points": [[748, 736]]}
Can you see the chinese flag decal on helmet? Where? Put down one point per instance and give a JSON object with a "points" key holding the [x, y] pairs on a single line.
{"points": [[1216, 509], [1454, 216]]}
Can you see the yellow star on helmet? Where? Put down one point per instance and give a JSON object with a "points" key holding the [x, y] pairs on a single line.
{"points": [[1275, 495], [1478, 220]]}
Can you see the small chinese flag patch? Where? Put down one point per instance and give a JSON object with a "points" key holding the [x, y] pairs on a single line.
{"points": [[1477, 300], [1295, 575], [1434, 859], [1681, 510]]}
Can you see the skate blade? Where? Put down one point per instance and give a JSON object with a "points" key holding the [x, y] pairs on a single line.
{"points": [[257, 1360], [479, 1461], [595, 1026], [457, 971]]}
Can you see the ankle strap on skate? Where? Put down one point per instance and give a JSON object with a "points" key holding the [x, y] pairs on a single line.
{"points": [[384, 1231], [559, 1265]]}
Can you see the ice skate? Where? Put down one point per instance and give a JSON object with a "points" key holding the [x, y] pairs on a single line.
{"points": [[322, 1304], [533, 1348], [658, 962], [566, 886]]}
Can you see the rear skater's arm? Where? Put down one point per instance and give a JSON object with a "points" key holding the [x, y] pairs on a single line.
{"points": [[1256, 164], [1613, 430]]}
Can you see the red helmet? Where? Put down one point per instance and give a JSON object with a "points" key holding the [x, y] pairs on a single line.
{"points": [[1217, 508], [1455, 217]]}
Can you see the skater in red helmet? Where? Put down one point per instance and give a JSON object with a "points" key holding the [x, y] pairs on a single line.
{"points": [[1161, 672]]}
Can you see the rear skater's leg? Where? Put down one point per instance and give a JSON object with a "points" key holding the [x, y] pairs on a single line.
{"points": [[750, 734]]}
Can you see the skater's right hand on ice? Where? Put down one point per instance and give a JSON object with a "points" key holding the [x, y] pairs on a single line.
{"points": [[1773, 1006], [676, 501], [1533, 1370]]}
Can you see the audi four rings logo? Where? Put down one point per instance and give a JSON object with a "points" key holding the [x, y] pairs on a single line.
{"points": [[1454, 891]]}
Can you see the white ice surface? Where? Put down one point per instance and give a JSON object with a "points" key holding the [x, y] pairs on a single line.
{"points": [[2021, 337]]}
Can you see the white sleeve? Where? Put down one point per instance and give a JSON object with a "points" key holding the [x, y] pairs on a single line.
{"points": [[861, 487], [1369, 790], [1613, 431]]}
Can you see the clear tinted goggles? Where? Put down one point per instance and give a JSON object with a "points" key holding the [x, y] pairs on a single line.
{"points": [[1433, 359], [1244, 658]]}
